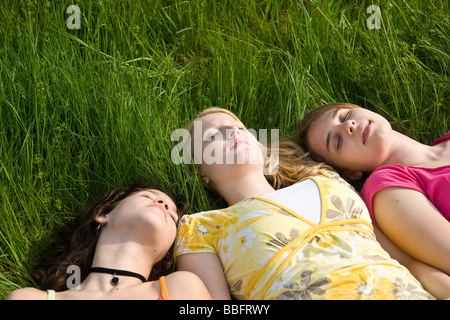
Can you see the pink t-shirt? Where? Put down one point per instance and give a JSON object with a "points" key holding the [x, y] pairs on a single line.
{"points": [[434, 183]]}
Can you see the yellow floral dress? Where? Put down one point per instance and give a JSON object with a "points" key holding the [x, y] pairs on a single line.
{"points": [[271, 252]]}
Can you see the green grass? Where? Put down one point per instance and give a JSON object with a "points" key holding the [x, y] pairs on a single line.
{"points": [[84, 111]]}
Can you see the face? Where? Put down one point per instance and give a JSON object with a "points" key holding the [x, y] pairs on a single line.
{"points": [[150, 214], [351, 139], [228, 148]]}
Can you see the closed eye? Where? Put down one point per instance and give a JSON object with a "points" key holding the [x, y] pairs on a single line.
{"points": [[147, 196], [339, 142], [209, 134], [347, 115], [339, 137]]}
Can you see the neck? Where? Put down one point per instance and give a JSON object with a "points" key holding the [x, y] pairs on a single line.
{"points": [[249, 185], [409, 152], [126, 256]]}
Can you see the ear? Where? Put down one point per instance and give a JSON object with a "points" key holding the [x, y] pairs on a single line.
{"points": [[351, 175], [101, 218], [204, 179]]}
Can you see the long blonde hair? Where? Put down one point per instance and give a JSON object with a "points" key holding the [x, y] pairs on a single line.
{"points": [[286, 165], [294, 164]]}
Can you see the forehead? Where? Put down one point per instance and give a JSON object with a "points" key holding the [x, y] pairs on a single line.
{"points": [[321, 125], [218, 118], [317, 133]]}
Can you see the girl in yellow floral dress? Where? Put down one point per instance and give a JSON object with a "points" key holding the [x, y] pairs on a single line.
{"points": [[311, 240]]}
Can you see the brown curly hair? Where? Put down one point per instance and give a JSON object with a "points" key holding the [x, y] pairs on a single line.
{"points": [[78, 248]]}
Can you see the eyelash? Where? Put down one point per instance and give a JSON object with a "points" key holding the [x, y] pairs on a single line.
{"points": [[338, 146], [218, 130], [173, 218], [346, 116]]}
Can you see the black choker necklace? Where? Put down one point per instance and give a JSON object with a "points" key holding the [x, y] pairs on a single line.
{"points": [[115, 280]]}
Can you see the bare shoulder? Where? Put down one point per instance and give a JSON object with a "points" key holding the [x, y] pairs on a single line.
{"points": [[185, 285], [27, 294]]}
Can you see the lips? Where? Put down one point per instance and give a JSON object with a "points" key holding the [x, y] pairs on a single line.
{"points": [[237, 142], [365, 131], [160, 207]]}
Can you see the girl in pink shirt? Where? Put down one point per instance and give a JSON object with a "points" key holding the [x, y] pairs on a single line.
{"points": [[407, 193], [433, 183]]}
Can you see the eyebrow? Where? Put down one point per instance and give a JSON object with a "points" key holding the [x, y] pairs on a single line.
{"points": [[218, 125], [162, 194], [210, 126], [329, 133]]}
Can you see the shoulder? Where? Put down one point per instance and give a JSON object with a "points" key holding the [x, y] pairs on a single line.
{"points": [[204, 215], [205, 218], [185, 285], [389, 176], [442, 139], [392, 172], [332, 178], [27, 294]]}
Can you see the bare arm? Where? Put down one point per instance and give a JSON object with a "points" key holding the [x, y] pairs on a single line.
{"points": [[414, 225], [208, 267], [27, 294], [434, 280], [183, 285]]}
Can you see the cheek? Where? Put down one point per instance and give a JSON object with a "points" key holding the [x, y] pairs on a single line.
{"points": [[316, 143], [171, 231], [259, 155], [169, 237], [213, 153], [318, 154], [162, 236], [356, 158]]}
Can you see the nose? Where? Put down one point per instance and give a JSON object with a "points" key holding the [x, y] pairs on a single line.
{"points": [[348, 127], [161, 201], [235, 132]]}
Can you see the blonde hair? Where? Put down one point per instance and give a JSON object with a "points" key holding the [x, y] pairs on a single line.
{"points": [[294, 165], [286, 165]]}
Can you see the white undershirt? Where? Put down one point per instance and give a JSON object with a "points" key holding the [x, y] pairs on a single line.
{"points": [[302, 198]]}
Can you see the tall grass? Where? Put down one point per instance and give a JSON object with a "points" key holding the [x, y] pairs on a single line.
{"points": [[83, 111]]}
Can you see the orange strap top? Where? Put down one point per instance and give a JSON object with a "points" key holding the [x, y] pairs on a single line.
{"points": [[164, 293]]}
